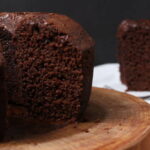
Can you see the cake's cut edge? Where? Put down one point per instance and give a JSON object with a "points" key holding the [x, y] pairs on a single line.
{"points": [[63, 55]]}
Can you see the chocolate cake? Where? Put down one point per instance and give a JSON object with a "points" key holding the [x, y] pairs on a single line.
{"points": [[3, 98], [49, 60], [134, 54]]}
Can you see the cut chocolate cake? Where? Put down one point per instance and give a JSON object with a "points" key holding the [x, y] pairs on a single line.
{"points": [[3, 98], [134, 54], [49, 66]]}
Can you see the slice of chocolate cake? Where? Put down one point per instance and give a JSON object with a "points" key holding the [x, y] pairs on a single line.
{"points": [[134, 54], [49, 66], [3, 99]]}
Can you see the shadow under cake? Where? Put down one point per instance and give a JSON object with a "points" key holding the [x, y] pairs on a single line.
{"points": [[3, 97]]}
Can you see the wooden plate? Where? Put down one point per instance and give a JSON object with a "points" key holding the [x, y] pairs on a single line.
{"points": [[114, 121]]}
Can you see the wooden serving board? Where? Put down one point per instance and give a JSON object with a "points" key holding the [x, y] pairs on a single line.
{"points": [[114, 121]]}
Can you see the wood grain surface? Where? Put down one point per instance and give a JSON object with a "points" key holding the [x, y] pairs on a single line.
{"points": [[113, 121]]}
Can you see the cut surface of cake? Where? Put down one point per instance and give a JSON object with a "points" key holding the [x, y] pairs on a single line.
{"points": [[134, 54], [49, 61], [3, 98]]}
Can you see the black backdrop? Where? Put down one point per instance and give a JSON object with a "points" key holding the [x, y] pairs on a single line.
{"points": [[99, 17]]}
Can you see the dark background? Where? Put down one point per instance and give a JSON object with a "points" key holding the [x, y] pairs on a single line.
{"points": [[99, 17]]}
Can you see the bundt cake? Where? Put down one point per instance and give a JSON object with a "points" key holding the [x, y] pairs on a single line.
{"points": [[49, 65], [134, 54]]}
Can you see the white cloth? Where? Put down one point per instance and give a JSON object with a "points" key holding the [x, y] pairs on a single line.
{"points": [[108, 76]]}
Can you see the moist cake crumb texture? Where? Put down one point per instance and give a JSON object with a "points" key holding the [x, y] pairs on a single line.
{"points": [[49, 61], [134, 54]]}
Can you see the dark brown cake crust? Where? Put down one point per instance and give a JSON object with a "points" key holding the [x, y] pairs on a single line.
{"points": [[3, 99], [49, 65], [134, 54]]}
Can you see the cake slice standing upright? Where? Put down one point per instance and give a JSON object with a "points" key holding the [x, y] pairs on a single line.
{"points": [[134, 54]]}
